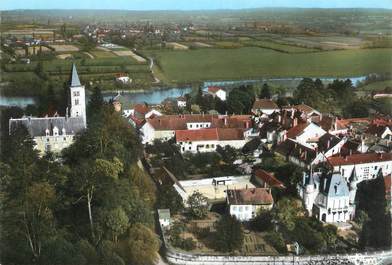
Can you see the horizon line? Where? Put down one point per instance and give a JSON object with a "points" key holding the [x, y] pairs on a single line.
{"points": [[190, 10]]}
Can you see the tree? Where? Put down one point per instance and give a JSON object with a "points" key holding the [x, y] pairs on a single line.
{"points": [[285, 213], [116, 222], [96, 103], [265, 92], [169, 199], [229, 235], [141, 246], [198, 205], [93, 177], [240, 100]]}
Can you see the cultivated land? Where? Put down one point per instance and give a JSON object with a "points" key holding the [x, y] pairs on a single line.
{"points": [[253, 62]]}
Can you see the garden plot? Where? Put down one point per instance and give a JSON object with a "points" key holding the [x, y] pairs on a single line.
{"points": [[64, 48], [131, 54]]}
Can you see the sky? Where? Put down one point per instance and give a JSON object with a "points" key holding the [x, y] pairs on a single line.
{"points": [[188, 4]]}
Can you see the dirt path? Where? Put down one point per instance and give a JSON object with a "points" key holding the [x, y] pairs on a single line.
{"points": [[156, 80], [89, 55]]}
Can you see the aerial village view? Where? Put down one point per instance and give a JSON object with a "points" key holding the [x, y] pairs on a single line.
{"points": [[195, 132]]}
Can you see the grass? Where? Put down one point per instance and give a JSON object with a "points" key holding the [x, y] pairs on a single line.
{"points": [[279, 47], [253, 62], [102, 54], [376, 86]]}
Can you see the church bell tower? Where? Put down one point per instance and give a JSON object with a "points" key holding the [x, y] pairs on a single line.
{"points": [[78, 97]]}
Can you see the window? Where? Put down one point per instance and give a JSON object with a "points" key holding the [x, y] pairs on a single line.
{"points": [[76, 93], [76, 101], [240, 208], [64, 138], [190, 125], [234, 208]]}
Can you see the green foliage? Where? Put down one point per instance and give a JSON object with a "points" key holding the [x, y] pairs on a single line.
{"points": [[141, 246], [285, 213], [229, 235], [176, 238], [198, 205], [240, 100], [376, 231], [277, 241], [170, 199], [265, 91]]}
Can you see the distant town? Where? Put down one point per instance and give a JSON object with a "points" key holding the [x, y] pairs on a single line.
{"points": [[200, 140]]}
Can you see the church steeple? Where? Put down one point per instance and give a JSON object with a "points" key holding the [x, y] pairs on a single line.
{"points": [[78, 99], [75, 77]]}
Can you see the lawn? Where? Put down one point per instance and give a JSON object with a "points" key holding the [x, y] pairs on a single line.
{"points": [[253, 62]]}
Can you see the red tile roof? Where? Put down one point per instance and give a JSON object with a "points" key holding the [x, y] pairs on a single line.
{"points": [[252, 196], [268, 178], [142, 109], [214, 89], [214, 134], [178, 122], [297, 130], [264, 104], [359, 159]]}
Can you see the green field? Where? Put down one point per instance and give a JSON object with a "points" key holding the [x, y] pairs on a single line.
{"points": [[279, 47], [253, 62], [376, 86]]}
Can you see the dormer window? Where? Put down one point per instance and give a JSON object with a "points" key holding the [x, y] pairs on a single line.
{"points": [[63, 131], [55, 131], [47, 132]]}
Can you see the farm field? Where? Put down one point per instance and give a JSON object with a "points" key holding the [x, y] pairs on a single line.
{"points": [[279, 47], [253, 62]]}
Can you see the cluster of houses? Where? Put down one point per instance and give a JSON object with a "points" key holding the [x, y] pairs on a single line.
{"points": [[353, 150], [348, 150]]}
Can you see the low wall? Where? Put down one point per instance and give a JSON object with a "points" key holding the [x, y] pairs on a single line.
{"points": [[182, 258]]}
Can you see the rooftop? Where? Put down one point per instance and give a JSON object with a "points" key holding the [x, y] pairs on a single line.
{"points": [[75, 82], [359, 159], [264, 104], [214, 89], [211, 134], [250, 196], [268, 178]]}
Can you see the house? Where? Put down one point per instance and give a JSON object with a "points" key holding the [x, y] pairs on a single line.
{"points": [[266, 180], [123, 78], [207, 140], [329, 145], [53, 134], [139, 113], [266, 106], [333, 125], [296, 153], [164, 217], [327, 197], [306, 133], [381, 131], [164, 127], [308, 113], [214, 189], [217, 92], [246, 203], [181, 102], [366, 166]]}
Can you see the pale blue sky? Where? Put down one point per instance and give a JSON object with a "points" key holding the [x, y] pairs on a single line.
{"points": [[187, 4]]}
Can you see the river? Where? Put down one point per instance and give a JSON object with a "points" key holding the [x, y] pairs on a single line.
{"points": [[158, 95]]}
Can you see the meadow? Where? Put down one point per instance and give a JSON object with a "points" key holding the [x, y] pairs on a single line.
{"points": [[254, 62]]}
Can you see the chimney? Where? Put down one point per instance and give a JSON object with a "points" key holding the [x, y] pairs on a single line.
{"points": [[306, 153], [295, 122], [225, 119], [351, 152], [328, 143]]}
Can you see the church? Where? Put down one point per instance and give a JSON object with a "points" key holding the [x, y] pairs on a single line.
{"points": [[53, 134]]}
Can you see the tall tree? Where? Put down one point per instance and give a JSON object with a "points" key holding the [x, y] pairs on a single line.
{"points": [[229, 235], [265, 91]]}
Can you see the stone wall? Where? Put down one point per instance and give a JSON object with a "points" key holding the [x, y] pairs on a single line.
{"points": [[182, 258]]}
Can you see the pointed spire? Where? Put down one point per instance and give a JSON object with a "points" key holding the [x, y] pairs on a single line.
{"points": [[75, 78], [353, 176]]}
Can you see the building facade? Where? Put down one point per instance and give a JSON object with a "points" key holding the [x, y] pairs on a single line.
{"points": [[53, 134]]}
